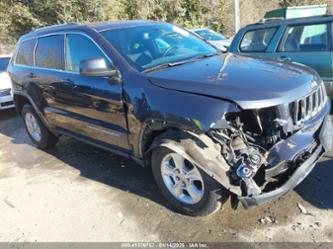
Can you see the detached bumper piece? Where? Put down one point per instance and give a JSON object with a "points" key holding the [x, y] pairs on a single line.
{"points": [[298, 176], [314, 142]]}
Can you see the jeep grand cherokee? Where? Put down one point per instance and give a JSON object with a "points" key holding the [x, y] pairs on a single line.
{"points": [[208, 124]]}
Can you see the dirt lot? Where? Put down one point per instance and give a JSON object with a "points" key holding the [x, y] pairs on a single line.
{"points": [[76, 192]]}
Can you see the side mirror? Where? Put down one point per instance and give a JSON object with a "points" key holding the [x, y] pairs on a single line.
{"points": [[225, 49], [97, 67]]}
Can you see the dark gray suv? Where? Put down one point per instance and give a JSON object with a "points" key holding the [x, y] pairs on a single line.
{"points": [[208, 124]]}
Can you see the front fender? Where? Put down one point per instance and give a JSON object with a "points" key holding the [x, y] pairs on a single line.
{"points": [[197, 112], [201, 151], [182, 111], [152, 110]]}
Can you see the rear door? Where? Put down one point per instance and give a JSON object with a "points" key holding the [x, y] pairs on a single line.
{"points": [[308, 44], [48, 74], [21, 69]]}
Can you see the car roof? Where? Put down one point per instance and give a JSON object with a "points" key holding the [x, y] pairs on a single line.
{"points": [[99, 27], [298, 20], [102, 26], [200, 29]]}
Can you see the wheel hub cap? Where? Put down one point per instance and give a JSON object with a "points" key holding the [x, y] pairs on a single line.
{"points": [[33, 127], [182, 179]]}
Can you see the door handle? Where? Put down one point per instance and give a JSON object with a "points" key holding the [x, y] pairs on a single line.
{"points": [[285, 59]]}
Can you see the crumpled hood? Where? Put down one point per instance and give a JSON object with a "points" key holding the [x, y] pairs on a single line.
{"points": [[250, 82]]}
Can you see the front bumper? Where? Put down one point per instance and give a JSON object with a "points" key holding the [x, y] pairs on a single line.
{"points": [[317, 139], [6, 102], [298, 176]]}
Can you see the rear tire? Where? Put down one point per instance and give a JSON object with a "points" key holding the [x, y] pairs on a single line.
{"points": [[209, 194], [37, 131]]}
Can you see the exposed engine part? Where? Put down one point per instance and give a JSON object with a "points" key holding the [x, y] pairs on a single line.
{"points": [[244, 171], [251, 158], [249, 162], [267, 126], [244, 157]]}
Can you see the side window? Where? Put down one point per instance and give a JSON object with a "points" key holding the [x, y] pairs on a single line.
{"points": [[50, 52], [25, 53], [305, 38], [257, 40], [78, 48]]}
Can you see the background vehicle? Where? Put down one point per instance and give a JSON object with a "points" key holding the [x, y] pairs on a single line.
{"points": [[216, 39], [303, 40], [207, 123], [6, 100]]}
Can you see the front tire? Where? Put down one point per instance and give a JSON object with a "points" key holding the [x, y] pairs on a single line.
{"points": [[187, 187], [37, 131]]}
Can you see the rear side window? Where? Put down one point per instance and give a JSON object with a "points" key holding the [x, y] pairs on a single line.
{"points": [[50, 52], [25, 53], [257, 40], [305, 38], [78, 48]]}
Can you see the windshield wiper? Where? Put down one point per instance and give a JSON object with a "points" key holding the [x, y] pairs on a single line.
{"points": [[158, 67], [177, 63]]}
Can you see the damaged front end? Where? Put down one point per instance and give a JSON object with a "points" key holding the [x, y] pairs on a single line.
{"points": [[271, 150]]}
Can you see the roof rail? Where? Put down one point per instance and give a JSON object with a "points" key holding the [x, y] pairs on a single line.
{"points": [[55, 25], [271, 19]]}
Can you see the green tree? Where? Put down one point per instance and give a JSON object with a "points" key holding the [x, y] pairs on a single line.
{"points": [[129, 9], [165, 10]]}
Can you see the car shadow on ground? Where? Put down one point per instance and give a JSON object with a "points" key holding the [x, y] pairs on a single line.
{"points": [[7, 114], [118, 172], [107, 168], [93, 163], [317, 187]]}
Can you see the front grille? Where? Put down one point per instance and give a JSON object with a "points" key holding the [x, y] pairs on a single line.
{"points": [[307, 107], [5, 92], [9, 103]]}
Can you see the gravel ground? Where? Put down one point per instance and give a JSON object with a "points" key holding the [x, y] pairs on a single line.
{"points": [[76, 192]]}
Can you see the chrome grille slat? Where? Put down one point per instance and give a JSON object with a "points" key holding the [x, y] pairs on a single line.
{"points": [[314, 99], [303, 108], [296, 104], [320, 97], [317, 99], [308, 106]]}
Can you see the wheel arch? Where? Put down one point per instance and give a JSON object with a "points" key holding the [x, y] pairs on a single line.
{"points": [[197, 148], [20, 100]]}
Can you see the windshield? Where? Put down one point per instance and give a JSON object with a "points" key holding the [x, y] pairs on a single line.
{"points": [[158, 44], [210, 35], [4, 64]]}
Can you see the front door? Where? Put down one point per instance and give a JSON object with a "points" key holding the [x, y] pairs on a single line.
{"points": [[89, 108]]}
